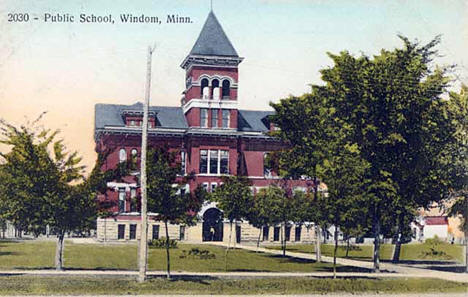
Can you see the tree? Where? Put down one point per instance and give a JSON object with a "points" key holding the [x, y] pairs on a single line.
{"points": [[259, 215], [459, 151], [235, 199], [392, 104], [302, 123], [166, 193], [40, 187]]}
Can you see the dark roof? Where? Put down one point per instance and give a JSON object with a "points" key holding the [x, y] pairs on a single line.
{"points": [[254, 120], [111, 115], [212, 40]]}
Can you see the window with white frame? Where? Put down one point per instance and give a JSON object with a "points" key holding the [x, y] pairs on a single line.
{"points": [[213, 186], [122, 155], [214, 118], [203, 117], [182, 162], [133, 202], [226, 116], [205, 186], [214, 162], [121, 200]]}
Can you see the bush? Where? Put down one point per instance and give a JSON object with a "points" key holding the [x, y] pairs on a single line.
{"points": [[161, 243], [196, 253], [435, 251]]}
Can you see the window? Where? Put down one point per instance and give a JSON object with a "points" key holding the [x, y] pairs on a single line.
{"points": [[214, 118], [133, 231], [132, 123], [203, 117], [122, 155], [203, 161], [224, 163], [182, 163], [120, 231], [226, 89], [205, 186], [133, 202], [213, 186], [266, 165], [155, 234], [226, 116], [266, 233], [276, 232], [182, 233], [134, 153], [214, 162], [122, 200], [288, 233], [297, 233], [215, 88], [204, 89]]}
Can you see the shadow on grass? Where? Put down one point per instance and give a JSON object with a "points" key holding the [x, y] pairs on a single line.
{"points": [[9, 253], [200, 279], [423, 262]]}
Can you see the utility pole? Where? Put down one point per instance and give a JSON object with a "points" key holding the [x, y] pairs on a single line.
{"points": [[143, 250]]}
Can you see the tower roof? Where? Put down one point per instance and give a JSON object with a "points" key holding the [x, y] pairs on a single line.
{"points": [[212, 40]]}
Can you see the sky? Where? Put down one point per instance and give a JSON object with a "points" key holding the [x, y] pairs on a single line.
{"points": [[66, 68]]}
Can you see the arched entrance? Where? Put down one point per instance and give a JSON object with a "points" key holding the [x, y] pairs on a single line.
{"points": [[213, 225]]}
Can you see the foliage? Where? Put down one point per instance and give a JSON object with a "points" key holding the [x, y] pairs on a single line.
{"points": [[166, 192], [196, 253], [160, 243], [389, 109]]}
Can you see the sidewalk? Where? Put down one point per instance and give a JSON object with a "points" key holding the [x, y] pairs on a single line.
{"points": [[393, 270]]}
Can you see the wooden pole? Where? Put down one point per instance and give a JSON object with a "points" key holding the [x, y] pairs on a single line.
{"points": [[143, 250]]}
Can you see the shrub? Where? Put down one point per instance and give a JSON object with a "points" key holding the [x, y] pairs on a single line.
{"points": [[196, 253], [161, 243]]}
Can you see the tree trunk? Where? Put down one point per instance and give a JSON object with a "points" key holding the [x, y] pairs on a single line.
{"points": [[397, 249], [281, 236], [59, 251], [376, 242], [167, 252], [318, 252], [466, 247], [347, 246], [227, 248], [284, 241], [258, 240], [334, 252]]}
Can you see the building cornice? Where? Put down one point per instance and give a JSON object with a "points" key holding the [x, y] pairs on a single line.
{"points": [[215, 61], [209, 103]]}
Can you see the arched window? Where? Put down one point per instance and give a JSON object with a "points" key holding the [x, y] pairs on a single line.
{"points": [[215, 86], [134, 152], [204, 84], [122, 155], [226, 89]]}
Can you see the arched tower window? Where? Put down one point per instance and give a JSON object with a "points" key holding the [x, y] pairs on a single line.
{"points": [[204, 89], [226, 89], [215, 87], [122, 155]]}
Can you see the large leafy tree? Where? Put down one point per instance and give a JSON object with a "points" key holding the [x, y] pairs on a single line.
{"points": [[459, 170], [43, 184], [166, 193], [235, 199], [391, 104]]}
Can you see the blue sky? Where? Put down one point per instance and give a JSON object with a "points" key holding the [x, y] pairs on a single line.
{"points": [[65, 68]]}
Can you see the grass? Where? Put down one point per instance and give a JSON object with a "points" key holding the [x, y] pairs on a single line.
{"points": [[40, 254], [409, 252], [67, 285]]}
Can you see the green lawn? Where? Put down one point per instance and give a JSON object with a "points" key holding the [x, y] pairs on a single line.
{"points": [[40, 254], [416, 251], [67, 285]]}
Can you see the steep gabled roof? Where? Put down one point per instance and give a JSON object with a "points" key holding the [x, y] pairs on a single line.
{"points": [[212, 40], [111, 115]]}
